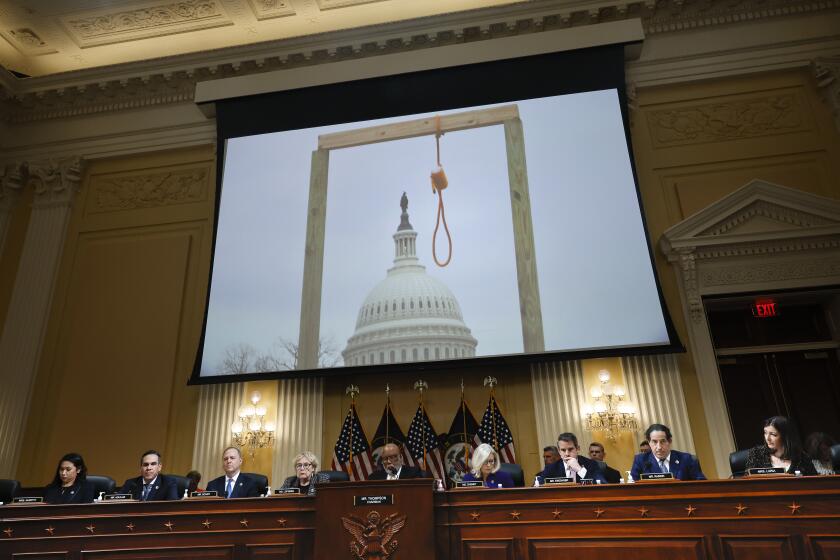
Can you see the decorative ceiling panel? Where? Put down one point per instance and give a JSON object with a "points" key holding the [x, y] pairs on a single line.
{"points": [[267, 9], [329, 4], [27, 41], [100, 27]]}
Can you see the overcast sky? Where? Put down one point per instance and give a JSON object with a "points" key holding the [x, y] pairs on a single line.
{"points": [[595, 277]]}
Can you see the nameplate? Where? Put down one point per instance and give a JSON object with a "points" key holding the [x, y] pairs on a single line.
{"points": [[205, 494], [28, 500], [283, 491], [117, 497], [766, 470], [469, 484], [559, 480], [657, 476], [381, 500]]}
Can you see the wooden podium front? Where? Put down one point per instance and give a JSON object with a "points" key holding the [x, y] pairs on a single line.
{"points": [[382, 520]]}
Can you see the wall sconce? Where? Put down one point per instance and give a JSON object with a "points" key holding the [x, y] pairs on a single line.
{"points": [[610, 411], [251, 430]]}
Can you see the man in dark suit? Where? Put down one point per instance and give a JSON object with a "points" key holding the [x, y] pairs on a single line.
{"points": [[597, 453], [662, 459], [392, 465], [151, 486], [234, 484], [571, 464]]}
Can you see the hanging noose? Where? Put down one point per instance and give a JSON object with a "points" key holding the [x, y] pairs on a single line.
{"points": [[439, 182]]}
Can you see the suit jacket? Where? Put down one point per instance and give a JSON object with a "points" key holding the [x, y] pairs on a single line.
{"points": [[684, 466], [165, 488], [612, 475], [558, 468], [246, 487], [79, 493], [317, 478], [407, 471], [494, 480]]}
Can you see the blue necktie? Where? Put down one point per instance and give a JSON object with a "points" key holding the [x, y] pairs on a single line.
{"points": [[229, 487], [146, 489], [662, 466]]}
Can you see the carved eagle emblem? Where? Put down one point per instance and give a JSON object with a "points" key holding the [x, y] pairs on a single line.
{"points": [[374, 537]]}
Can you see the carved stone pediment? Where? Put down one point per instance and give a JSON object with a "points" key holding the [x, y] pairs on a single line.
{"points": [[758, 212]]}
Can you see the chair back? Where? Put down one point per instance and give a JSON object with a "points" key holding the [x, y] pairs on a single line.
{"points": [[182, 482], [738, 462], [515, 472], [337, 476], [835, 458], [8, 489], [102, 484], [261, 480]]}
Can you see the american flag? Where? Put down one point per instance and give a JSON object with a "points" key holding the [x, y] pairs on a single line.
{"points": [[362, 464], [502, 441], [421, 435]]}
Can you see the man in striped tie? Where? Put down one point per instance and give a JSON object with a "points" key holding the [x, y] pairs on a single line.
{"points": [[662, 459], [151, 485]]}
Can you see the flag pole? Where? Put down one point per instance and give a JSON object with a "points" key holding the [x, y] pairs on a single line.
{"points": [[352, 390], [492, 382], [420, 385], [464, 421], [387, 413]]}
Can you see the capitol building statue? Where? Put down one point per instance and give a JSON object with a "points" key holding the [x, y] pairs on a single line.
{"points": [[409, 316]]}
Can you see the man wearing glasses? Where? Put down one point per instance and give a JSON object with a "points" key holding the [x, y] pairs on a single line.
{"points": [[392, 465]]}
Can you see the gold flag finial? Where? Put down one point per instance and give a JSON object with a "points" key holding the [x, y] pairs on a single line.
{"points": [[352, 390], [490, 381]]}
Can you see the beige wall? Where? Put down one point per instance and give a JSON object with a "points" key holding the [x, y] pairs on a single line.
{"points": [[131, 289], [695, 143], [125, 319]]}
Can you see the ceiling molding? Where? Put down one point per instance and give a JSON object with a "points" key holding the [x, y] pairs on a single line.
{"points": [[173, 79]]}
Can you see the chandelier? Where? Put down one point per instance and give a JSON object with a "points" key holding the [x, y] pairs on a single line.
{"points": [[251, 430], [610, 412]]}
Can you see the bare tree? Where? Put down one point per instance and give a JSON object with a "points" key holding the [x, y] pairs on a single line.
{"points": [[244, 358], [238, 358]]}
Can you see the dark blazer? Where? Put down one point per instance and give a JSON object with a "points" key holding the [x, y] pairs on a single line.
{"points": [[612, 475], [246, 487], [317, 478], [759, 456], [165, 488], [407, 471], [494, 480], [558, 468], [79, 493], [684, 466]]}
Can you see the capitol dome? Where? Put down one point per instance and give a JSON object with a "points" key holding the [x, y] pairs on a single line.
{"points": [[409, 316]]}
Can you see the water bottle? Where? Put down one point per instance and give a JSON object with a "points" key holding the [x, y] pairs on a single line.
{"points": [[536, 482], [186, 493]]}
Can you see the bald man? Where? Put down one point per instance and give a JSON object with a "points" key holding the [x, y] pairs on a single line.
{"points": [[392, 465]]}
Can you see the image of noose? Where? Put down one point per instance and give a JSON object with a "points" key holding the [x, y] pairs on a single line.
{"points": [[439, 182]]}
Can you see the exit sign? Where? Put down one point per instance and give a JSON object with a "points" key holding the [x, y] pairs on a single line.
{"points": [[764, 308]]}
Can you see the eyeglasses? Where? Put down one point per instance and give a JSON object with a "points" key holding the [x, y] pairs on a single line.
{"points": [[302, 465], [389, 458], [490, 462]]}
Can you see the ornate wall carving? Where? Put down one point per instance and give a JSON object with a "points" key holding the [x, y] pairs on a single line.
{"points": [[773, 212], [728, 120], [827, 73], [55, 182], [146, 191], [755, 273], [161, 19]]}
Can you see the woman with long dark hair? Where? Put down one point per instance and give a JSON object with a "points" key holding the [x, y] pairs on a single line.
{"points": [[781, 448], [70, 484]]}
